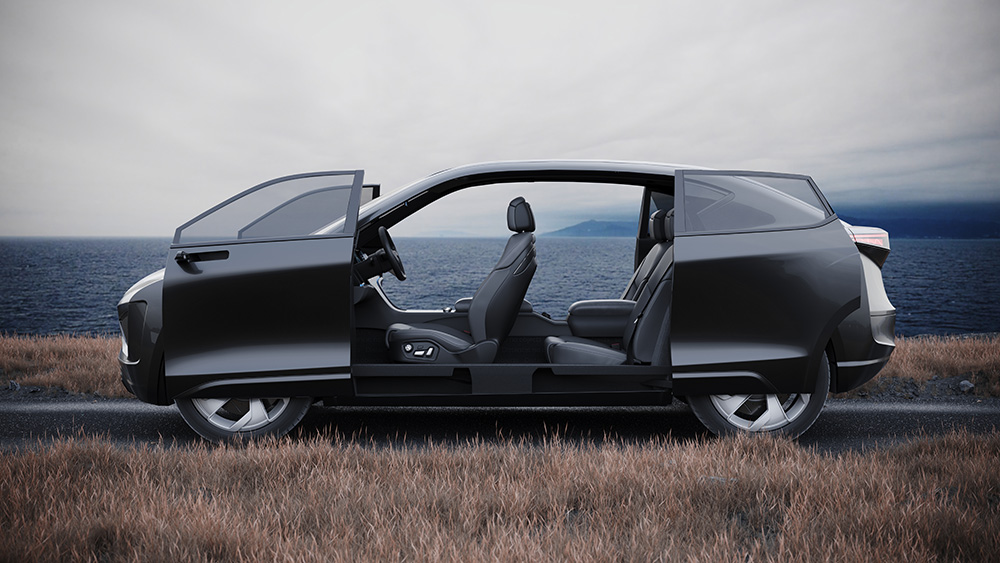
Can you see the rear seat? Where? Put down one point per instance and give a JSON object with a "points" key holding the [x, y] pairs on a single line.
{"points": [[650, 315]]}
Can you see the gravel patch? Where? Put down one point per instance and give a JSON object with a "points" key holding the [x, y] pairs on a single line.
{"points": [[14, 392]]}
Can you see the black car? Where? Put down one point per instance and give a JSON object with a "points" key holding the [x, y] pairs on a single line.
{"points": [[749, 300]]}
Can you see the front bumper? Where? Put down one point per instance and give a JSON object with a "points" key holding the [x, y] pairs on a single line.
{"points": [[140, 357]]}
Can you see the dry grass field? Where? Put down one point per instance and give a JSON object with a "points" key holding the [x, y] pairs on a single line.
{"points": [[87, 364], [80, 364], [748, 498], [921, 358], [332, 498]]}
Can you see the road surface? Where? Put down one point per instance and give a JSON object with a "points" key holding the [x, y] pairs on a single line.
{"points": [[844, 424]]}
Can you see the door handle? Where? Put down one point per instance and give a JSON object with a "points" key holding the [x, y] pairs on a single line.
{"points": [[184, 258]]}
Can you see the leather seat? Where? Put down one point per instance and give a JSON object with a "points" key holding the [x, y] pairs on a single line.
{"points": [[577, 350], [657, 229], [641, 342], [493, 310]]}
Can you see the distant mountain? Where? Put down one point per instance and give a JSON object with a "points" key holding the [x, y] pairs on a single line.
{"points": [[594, 228], [943, 220]]}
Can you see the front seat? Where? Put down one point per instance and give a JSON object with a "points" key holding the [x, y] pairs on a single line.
{"points": [[494, 307], [642, 342]]}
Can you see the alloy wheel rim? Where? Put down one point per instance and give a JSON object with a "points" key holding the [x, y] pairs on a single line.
{"points": [[240, 415], [760, 413]]}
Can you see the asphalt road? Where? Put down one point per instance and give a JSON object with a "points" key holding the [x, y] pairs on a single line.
{"points": [[844, 424]]}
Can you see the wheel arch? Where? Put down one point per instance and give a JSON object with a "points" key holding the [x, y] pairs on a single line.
{"points": [[831, 355]]}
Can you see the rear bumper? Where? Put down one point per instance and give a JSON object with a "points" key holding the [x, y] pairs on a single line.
{"points": [[866, 338], [860, 358]]}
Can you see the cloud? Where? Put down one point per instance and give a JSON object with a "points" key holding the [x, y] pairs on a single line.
{"points": [[123, 118]]}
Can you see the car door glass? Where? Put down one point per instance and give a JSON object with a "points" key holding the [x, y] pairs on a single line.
{"points": [[301, 215], [295, 207], [717, 202]]}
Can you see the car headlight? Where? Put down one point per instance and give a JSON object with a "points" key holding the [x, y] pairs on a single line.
{"points": [[131, 318], [123, 323]]}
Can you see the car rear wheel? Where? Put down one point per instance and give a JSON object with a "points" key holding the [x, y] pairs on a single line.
{"points": [[786, 414], [225, 419]]}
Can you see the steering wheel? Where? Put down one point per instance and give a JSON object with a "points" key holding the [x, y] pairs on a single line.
{"points": [[390, 252]]}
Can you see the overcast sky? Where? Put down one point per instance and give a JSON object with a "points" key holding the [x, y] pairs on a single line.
{"points": [[128, 118]]}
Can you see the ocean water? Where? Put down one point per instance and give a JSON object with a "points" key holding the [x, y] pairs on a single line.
{"points": [[71, 285], [944, 286], [440, 271], [52, 286]]}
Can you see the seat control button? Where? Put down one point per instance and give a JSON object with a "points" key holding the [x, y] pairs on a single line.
{"points": [[407, 348], [430, 350]]}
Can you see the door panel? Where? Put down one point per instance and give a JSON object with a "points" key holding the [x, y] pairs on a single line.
{"points": [[763, 301], [271, 302]]}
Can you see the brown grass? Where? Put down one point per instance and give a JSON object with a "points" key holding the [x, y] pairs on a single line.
{"points": [[87, 364], [747, 498], [80, 364], [974, 357]]}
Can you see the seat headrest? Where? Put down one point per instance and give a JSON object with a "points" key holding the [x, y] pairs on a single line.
{"points": [[661, 225], [520, 219]]}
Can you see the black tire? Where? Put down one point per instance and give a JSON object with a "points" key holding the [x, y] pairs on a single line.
{"points": [[732, 414], [225, 420]]}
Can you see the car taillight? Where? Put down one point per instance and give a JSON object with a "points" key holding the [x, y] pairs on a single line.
{"points": [[871, 241]]}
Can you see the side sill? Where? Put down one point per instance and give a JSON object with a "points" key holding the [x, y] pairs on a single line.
{"points": [[726, 382], [278, 386]]}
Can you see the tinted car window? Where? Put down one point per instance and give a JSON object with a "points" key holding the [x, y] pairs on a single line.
{"points": [[660, 201], [798, 188], [734, 203], [656, 200], [299, 216], [295, 207], [370, 192]]}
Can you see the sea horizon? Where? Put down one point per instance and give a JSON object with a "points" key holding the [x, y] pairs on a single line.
{"points": [[53, 285]]}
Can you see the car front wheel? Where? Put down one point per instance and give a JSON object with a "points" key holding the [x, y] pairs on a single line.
{"points": [[221, 420], [787, 414]]}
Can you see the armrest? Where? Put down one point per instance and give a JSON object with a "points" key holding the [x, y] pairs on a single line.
{"points": [[463, 306], [600, 317]]}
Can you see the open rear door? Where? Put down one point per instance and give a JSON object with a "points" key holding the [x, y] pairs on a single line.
{"points": [[257, 289], [764, 272]]}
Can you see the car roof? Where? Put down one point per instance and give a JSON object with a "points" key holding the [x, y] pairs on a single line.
{"points": [[500, 168]]}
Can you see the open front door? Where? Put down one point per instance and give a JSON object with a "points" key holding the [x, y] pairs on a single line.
{"points": [[259, 286]]}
